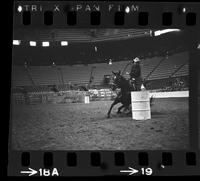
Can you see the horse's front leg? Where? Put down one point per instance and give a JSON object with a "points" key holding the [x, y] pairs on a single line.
{"points": [[112, 105]]}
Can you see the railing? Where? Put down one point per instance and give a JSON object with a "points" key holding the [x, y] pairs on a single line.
{"points": [[61, 97]]}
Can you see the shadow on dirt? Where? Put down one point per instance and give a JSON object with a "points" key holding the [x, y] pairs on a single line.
{"points": [[122, 115], [155, 113]]}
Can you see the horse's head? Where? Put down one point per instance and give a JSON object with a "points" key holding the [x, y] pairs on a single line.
{"points": [[117, 79]]}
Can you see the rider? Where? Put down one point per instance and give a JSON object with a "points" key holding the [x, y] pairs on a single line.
{"points": [[135, 74]]}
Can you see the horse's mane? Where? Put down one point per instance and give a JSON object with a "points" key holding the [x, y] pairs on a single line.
{"points": [[124, 78]]}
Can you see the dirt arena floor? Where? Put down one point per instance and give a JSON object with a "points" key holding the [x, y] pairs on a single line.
{"points": [[79, 126]]}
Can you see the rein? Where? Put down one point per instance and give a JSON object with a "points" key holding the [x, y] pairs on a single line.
{"points": [[126, 67]]}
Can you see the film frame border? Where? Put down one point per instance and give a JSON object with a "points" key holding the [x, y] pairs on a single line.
{"points": [[155, 14], [109, 163], [105, 167]]}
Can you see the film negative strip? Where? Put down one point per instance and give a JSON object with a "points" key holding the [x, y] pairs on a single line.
{"points": [[105, 88]]}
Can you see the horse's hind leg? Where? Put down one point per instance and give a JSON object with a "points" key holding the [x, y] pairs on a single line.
{"points": [[127, 109], [108, 115], [119, 109]]}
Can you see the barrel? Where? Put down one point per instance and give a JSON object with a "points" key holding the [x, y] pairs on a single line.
{"points": [[84, 98], [140, 103], [87, 99]]}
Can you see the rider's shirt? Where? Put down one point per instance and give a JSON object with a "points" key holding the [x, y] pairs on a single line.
{"points": [[135, 70]]}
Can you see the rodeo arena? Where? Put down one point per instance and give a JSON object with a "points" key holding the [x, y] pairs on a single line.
{"points": [[100, 89]]}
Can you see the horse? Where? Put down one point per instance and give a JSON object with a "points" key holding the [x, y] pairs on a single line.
{"points": [[124, 97]]}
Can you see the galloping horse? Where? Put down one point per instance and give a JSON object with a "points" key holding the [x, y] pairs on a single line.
{"points": [[124, 96]]}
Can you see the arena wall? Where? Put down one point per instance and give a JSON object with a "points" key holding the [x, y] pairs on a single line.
{"points": [[170, 94], [78, 96]]}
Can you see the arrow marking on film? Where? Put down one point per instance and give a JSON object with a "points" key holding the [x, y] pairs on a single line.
{"points": [[30, 172], [131, 171]]}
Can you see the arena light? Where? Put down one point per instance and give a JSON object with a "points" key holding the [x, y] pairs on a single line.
{"points": [[64, 43], [19, 9], [16, 42], [32, 43], [95, 48], [198, 47], [127, 10], [184, 10], [45, 44], [160, 32]]}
